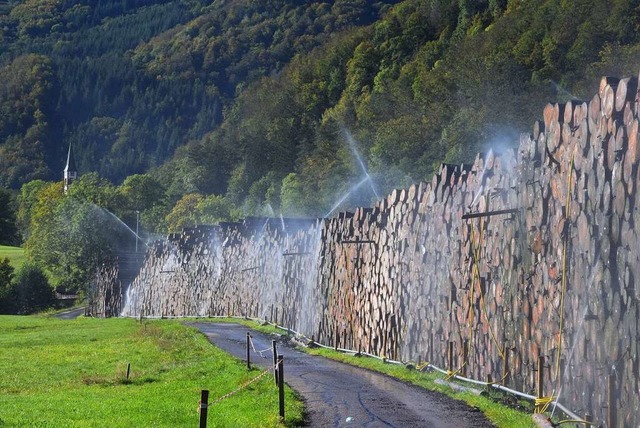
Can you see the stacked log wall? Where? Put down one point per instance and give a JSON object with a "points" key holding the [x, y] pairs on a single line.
{"points": [[551, 273]]}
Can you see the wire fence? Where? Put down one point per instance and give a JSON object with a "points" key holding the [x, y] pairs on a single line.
{"points": [[543, 402]]}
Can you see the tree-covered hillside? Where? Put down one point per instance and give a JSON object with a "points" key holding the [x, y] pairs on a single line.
{"points": [[432, 81], [127, 82], [284, 107], [184, 112]]}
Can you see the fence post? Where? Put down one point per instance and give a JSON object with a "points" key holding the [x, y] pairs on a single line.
{"points": [[450, 356], [248, 351], [281, 384], [540, 382], [611, 411], [128, 370], [505, 364], [465, 356], [275, 361], [204, 403], [588, 418]]}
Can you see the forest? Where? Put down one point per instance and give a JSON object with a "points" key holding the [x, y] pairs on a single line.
{"points": [[183, 112]]}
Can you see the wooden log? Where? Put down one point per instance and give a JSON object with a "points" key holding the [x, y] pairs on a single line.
{"points": [[538, 127], [605, 81], [580, 112], [608, 101], [553, 136], [594, 113], [626, 91], [632, 142], [547, 114]]}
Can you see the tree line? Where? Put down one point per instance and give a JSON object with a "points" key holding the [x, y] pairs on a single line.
{"points": [[191, 112]]}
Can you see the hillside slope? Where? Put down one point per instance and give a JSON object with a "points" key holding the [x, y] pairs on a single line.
{"points": [[290, 106], [127, 82]]}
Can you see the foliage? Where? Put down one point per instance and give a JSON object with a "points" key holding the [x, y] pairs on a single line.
{"points": [[6, 277], [27, 200], [58, 367], [128, 82], [8, 229], [29, 291], [70, 235], [430, 82], [14, 254], [28, 130], [184, 213], [241, 95]]}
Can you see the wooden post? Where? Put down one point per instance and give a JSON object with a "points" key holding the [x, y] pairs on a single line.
{"points": [[611, 411], [281, 385], [431, 348], [248, 351], [465, 357], [128, 370], [540, 382], [588, 418], [275, 361], [505, 365], [204, 404], [450, 356], [489, 381]]}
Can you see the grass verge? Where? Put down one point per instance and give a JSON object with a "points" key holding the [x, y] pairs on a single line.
{"points": [[503, 410], [73, 374], [14, 254]]}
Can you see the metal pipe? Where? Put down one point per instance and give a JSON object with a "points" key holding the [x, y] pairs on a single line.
{"points": [[490, 213]]}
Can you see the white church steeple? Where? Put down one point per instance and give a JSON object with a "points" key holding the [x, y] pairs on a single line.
{"points": [[70, 171]]}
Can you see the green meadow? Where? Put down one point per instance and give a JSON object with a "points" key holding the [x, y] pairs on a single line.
{"points": [[73, 374], [14, 254]]}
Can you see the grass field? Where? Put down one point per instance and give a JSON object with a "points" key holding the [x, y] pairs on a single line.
{"points": [[73, 374], [14, 254]]}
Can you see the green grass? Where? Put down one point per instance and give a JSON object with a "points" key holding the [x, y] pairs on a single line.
{"points": [[14, 254], [493, 405], [72, 374]]}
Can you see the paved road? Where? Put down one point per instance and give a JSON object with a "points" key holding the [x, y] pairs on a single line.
{"points": [[339, 395], [71, 314]]}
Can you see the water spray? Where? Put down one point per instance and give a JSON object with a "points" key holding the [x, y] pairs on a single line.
{"points": [[346, 195], [356, 154]]}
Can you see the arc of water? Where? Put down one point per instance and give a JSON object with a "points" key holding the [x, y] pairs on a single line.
{"points": [[125, 225], [122, 223], [356, 154], [346, 195]]}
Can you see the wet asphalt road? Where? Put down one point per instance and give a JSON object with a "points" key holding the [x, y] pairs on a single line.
{"points": [[339, 395], [71, 314]]}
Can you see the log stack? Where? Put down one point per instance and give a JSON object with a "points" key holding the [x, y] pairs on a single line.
{"points": [[525, 253]]}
